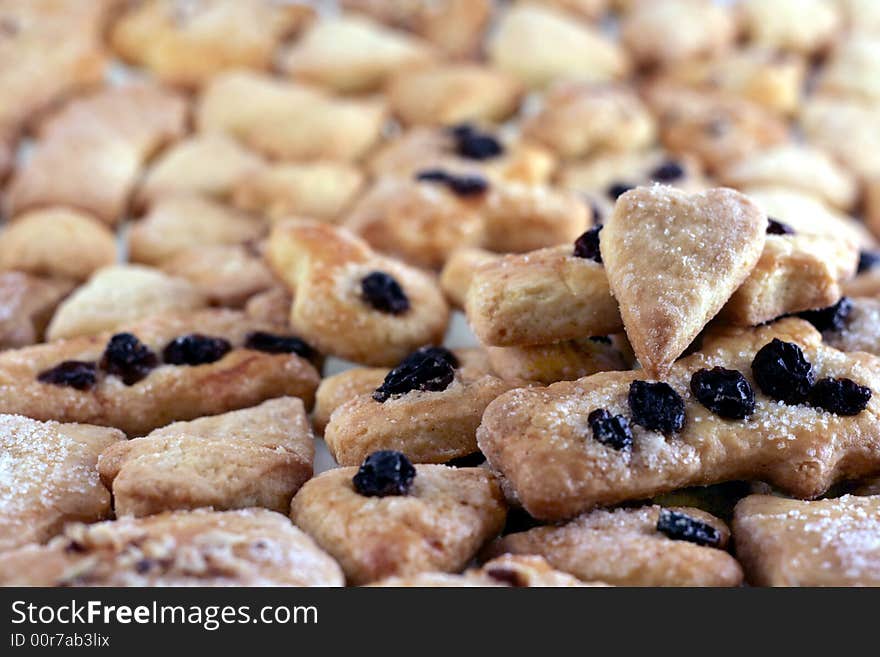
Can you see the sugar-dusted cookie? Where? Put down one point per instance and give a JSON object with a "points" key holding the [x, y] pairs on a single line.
{"points": [[770, 403], [578, 119], [353, 53], [179, 222], [673, 260], [319, 190], [645, 546], [458, 271], [446, 94], [351, 302], [88, 155], [389, 517], [340, 388], [27, 303], [286, 120], [120, 294], [187, 43], [801, 26], [256, 456], [846, 128], [251, 547], [49, 478], [665, 32], [272, 305], [540, 44], [428, 407], [852, 324], [56, 242], [158, 370], [832, 542]]}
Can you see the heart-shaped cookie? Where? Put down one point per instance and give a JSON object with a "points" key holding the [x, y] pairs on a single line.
{"points": [[673, 259]]}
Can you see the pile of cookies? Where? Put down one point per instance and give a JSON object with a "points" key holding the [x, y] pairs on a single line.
{"points": [[240, 234]]}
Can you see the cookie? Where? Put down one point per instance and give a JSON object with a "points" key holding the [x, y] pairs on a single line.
{"points": [[612, 437], [860, 16], [89, 154], [852, 324], [177, 223], [340, 388], [353, 54], [121, 294], [673, 260], [645, 546], [58, 243], [458, 271], [578, 119], [800, 26], [188, 43], [271, 306], [27, 303], [318, 190], [540, 44], [251, 547], [848, 130], [435, 519], [254, 457], [288, 121], [829, 542], [167, 368], [351, 302], [49, 478], [853, 70]]}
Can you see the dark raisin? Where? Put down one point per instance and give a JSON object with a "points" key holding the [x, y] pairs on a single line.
{"points": [[280, 344], [195, 349], [840, 396], [776, 227], [429, 368], [507, 576], [128, 358], [611, 430], [75, 547], [463, 185], [475, 145], [383, 473], [656, 406], [726, 393], [868, 260], [72, 373], [601, 339], [832, 318], [467, 461], [668, 171], [782, 372], [681, 527], [383, 292], [617, 190], [587, 245], [144, 566]]}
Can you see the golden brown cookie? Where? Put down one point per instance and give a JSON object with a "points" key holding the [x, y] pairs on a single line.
{"points": [[251, 547], [27, 303], [600, 440], [340, 388], [49, 478], [829, 542], [443, 516], [458, 271]]}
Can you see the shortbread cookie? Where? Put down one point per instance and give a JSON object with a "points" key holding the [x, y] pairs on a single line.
{"points": [[848, 129], [257, 456], [271, 306], [829, 542], [801, 26], [851, 324], [561, 361], [350, 301], [121, 294], [458, 272], [49, 478], [665, 32], [673, 260], [318, 190], [600, 440], [542, 297], [27, 303], [428, 407], [252, 547], [389, 517], [646, 546], [187, 43], [158, 370], [866, 284], [204, 165], [424, 219], [88, 155], [446, 94], [540, 44], [179, 222], [56, 242], [353, 54], [286, 120], [336, 390], [579, 119], [853, 70]]}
